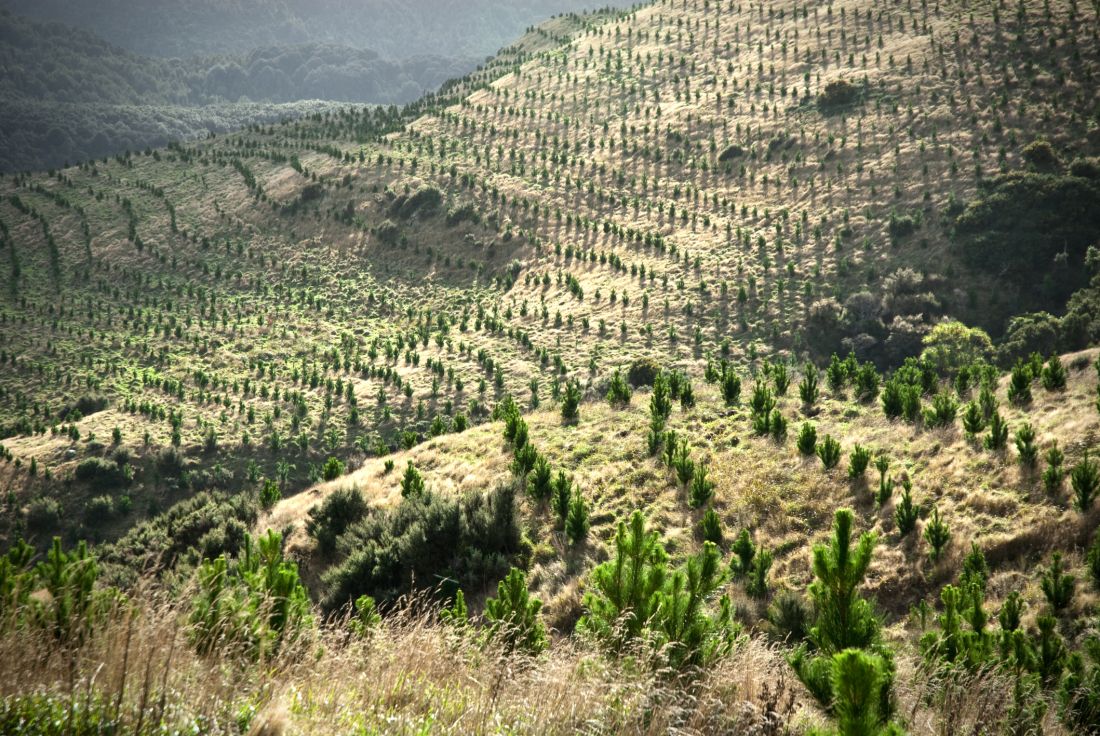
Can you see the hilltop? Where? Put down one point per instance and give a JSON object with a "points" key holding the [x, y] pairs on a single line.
{"points": [[335, 327]]}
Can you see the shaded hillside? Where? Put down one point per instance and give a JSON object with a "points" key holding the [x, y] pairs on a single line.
{"points": [[68, 96]]}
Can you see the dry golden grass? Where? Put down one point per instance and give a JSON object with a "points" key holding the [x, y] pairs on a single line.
{"points": [[417, 676]]}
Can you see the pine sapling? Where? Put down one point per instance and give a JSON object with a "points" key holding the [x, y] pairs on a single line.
{"points": [[829, 452], [905, 513], [1025, 446], [998, 433], [973, 420], [937, 535], [710, 527], [807, 439], [1054, 374], [576, 521], [1084, 478], [807, 388], [702, 488], [858, 461], [1058, 587], [743, 552]]}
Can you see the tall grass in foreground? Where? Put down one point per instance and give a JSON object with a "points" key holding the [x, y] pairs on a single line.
{"points": [[137, 672]]}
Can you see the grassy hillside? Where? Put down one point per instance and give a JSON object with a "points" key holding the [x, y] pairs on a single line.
{"points": [[336, 327]]}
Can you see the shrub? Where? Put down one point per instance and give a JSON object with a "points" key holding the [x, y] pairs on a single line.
{"points": [[643, 372], [1084, 478], [514, 615], [426, 538], [807, 439], [43, 514], [838, 93], [858, 461], [789, 618], [829, 452], [1040, 154], [101, 474], [937, 535], [332, 517]]}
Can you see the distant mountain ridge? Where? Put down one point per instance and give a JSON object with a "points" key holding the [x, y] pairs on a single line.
{"points": [[396, 29]]}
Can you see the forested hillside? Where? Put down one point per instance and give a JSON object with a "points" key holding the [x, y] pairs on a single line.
{"points": [[701, 367]]}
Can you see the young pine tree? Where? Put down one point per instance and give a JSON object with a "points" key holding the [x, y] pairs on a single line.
{"points": [[1054, 374], [844, 620], [412, 484], [1058, 587], [1084, 478], [937, 534], [807, 439], [905, 513], [514, 615], [1025, 446], [1054, 472], [1019, 384], [829, 452], [998, 433], [807, 388], [576, 521]]}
